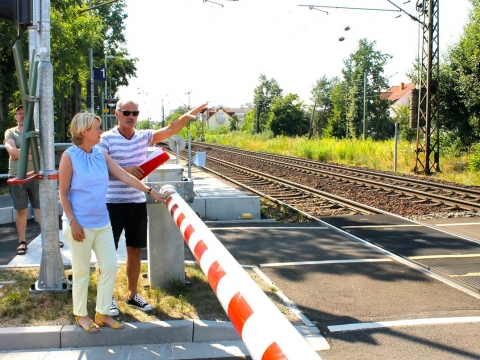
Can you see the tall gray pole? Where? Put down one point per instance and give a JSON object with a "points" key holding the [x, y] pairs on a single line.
{"points": [[33, 39], [106, 78], [364, 103], [90, 56], [163, 115], [52, 273]]}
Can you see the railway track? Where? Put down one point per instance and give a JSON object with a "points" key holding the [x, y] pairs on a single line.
{"points": [[311, 203], [313, 187]]}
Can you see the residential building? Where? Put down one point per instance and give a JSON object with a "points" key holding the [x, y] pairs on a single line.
{"points": [[221, 116], [398, 95]]}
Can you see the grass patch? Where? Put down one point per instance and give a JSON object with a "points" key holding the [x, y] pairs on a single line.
{"points": [[176, 302], [369, 154]]}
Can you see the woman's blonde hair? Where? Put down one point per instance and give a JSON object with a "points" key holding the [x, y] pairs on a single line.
{"points": [[80, 123]]}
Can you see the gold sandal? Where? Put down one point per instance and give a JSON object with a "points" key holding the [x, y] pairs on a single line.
{"points": [[118, 325], [92, 327]]}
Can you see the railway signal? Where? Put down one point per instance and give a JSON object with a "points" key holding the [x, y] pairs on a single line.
{"points": [[18, 11]]}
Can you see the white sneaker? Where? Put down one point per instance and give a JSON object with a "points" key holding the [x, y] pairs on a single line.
{"points": [[114, 308], [139, 303]]}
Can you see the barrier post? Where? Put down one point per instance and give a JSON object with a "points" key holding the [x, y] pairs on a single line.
{"points": [[265, 331], [166, 258]]}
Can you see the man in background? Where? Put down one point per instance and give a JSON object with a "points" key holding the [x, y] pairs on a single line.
{"points": [[20, 194], [29, 191]]}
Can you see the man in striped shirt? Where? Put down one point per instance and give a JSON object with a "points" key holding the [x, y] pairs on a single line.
{"points": [[127, 206]]}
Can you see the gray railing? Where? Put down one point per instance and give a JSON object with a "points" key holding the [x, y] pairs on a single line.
{"points": [[59, 148]]}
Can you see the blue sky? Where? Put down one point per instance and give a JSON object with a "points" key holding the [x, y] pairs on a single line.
{"points": [[217, 53]]}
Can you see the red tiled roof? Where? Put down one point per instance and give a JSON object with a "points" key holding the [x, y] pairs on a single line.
{"points": [[397, 92]]}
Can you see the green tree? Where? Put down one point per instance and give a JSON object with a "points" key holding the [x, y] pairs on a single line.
{"points": [[73, 32], [195, 126], [234, 122], [143, 124], [402, 118], [337, 126], [263, 95], [363, 70], [460, 83], [123, 66], [321, 97], [248, 123], [288, 117]]}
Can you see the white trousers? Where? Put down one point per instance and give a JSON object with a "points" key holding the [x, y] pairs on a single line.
{"points": [[100, 240]]}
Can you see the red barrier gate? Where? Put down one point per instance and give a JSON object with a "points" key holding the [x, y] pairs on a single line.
{"points": [[265, 331]]}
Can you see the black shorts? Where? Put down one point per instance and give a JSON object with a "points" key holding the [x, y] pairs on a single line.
{"points": [[131, 217]]}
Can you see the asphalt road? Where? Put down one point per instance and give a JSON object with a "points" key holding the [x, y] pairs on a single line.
{"points": [[339, 281]]}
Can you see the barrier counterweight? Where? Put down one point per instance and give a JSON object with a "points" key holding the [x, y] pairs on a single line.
{"points": [[265, 331]]}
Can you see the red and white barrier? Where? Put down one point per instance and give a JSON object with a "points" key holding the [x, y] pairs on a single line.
{"points": [[265, 331]]}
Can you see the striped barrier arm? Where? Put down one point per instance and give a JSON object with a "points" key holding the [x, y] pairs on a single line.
{"points": [[265, 331]]}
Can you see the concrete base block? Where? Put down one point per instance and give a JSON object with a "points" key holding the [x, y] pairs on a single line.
{"points": [[204, 331], [228, 208], [9, 214], [158, 332], [35, 337], [198, 206], [6, 215]]}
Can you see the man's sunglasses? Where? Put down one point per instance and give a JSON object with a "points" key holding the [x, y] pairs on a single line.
{"points": [[127, 112]]}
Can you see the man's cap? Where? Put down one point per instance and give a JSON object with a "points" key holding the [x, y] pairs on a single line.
{"points": [[18, 108]]}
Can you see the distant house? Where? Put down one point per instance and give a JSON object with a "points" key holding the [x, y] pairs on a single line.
{"points": [[220, 116], [398, 95], [241, 112]]}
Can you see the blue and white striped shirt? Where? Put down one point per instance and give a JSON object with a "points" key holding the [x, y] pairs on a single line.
{"points": [[125, 152]]}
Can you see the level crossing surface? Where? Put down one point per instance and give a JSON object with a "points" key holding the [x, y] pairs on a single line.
{"points": [[366, 303]]}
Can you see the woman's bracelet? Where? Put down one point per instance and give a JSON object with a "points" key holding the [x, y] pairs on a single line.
{"points": [[149, 190], [70, 221]]}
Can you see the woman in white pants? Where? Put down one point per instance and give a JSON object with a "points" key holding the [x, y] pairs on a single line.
{"points": [[83, 179]]}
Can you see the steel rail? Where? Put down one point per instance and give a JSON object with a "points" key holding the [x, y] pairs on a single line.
{"points": [[282, 198], [423, 194]]}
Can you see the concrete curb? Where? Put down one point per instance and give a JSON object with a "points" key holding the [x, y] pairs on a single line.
{"points": [[137, 333]]}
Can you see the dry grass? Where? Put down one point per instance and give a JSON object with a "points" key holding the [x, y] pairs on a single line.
{"points": [[178, 301]]}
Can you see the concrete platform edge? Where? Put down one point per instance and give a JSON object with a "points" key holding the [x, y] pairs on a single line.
{"points": [[137, 333]]}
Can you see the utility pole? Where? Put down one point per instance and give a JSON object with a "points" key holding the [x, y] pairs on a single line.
{"points": [[189, 135], [257, 120], [90, 56], [428, 124], [188, 93], [310, 130], [364, 103], [163, 115], [428, 121], [52, 273]]}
